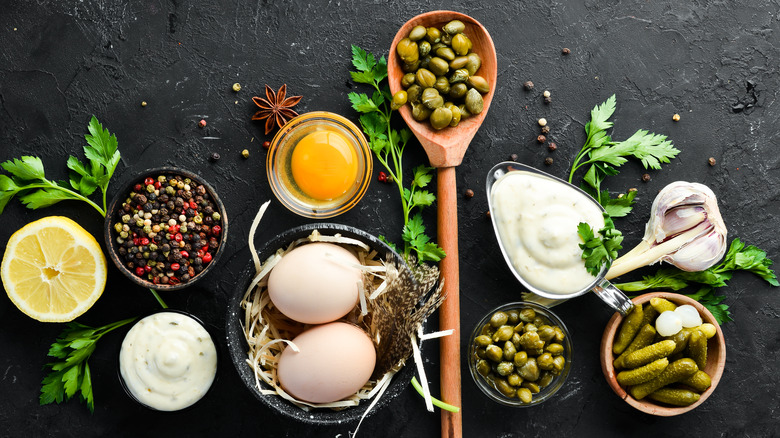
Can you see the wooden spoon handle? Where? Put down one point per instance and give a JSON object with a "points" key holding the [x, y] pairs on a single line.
{"points": [[449, 313]]}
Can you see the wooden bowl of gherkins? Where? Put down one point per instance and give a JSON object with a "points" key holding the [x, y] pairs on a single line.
{"points": [[662, 376]]}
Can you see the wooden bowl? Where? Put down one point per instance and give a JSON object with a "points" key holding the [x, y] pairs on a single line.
{"points": [[445, 148], [716, 357]]}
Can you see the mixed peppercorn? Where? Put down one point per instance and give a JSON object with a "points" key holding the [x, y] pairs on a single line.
{"points": [[168, 229]]}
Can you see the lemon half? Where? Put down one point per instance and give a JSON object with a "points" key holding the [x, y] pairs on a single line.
{"points": [[53, 270]]}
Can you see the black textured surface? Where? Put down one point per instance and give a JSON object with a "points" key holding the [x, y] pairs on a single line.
{"points": [[713, 62]]}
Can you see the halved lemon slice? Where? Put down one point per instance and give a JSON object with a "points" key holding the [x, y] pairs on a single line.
{"points": [[53, 270]]}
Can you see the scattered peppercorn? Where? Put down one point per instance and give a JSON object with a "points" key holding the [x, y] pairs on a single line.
{"points": [[528, 85], [676, 117], [646, 177], [711, 161], [633, 189], [548, 161], [542, 122], [552, 146], [202, 123], [382, 177], [245, 153], [488, 214], [469, 193], [158, 229], [513, 157], [143, 103], [541, 138], [546, 93], [266, 144], [236, 87], [214, 157], [546, 129], [565, 51]]}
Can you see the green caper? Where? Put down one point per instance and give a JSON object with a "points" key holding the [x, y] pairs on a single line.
{"points": [[410, 68], [407, 50], [558, 363], [524, 394], [424, 62], [437, 46], [513, 317], [459, 62], [555, 349], [433, 35], [535, 351], [417, 33], [465, 114], [425, 78], [478, 82], [527, 315], [545, 379], [494, 353], [474, 102], [440, 119], [515, 337], [399, 99], [413, 93], [505, 368], [446, 38], [432, 99], [483, 367], [454, 122], [521, 357], [483, 341], [454, 27], [424, 47], [442, 85], [475, 62], [509, 350], [503, 333], [539, 321], [559, 334], [438, 66], [505, 388], [531, 386], [461, 44], [459, 75], [530, 341], [530, 327], [458, 90], [545, 361], [498, 319], [408, 80], [546, 333], [529, 371], [514, 379], [446, 53], [420, 112], [480, 352]]}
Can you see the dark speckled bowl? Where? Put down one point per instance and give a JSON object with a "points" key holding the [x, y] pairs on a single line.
{"points": [[112, 218], [238, 346]]}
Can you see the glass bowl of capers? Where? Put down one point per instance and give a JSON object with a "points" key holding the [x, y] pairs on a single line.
{"points": [[520, 354]]}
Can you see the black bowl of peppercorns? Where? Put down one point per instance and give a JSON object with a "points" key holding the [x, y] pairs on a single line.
{"points": [[166, 229]]}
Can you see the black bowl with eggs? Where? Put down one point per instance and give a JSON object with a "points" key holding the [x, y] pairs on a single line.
{"points": [[237, 343]]}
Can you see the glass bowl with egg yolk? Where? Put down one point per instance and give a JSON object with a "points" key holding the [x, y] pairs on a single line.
{"points": [[319, 165]]}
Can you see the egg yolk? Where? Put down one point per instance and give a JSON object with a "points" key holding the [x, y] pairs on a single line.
{"points": [[324, 165]]}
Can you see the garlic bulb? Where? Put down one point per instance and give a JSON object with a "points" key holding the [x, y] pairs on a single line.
{"points": [[685, 229]]}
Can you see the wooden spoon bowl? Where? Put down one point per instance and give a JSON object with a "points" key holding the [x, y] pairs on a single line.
{"points": [[716, 357], [445, 148]]}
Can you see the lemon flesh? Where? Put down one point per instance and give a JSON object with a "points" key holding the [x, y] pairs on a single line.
{"points": [[53, 270]]}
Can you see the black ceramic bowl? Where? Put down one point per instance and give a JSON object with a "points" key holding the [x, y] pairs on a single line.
{"points": [[238, 347], [112, 217]]}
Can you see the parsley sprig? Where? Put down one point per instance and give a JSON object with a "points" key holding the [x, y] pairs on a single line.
{"points": [[600, 248], [739, 257], [388, 145], [28, 179], [604, 156], [71, 374]]}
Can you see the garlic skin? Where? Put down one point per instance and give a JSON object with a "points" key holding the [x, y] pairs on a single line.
{"points": [[685, 229]]}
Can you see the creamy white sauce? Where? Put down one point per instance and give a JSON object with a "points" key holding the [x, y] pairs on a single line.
{"points": [[168, 361], [537, 220]]}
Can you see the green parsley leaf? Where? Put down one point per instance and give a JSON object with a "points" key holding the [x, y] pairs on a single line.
{"points": [[26, 169], [601, 249], [620, 206], [422, 175], [362, 60], [361, 103], [423, 198]]}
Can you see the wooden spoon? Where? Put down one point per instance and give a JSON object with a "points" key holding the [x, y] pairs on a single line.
{"points": [[445, 150]]}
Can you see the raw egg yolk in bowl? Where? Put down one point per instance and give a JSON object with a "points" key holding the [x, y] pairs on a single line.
{"points": [[324, 165]]}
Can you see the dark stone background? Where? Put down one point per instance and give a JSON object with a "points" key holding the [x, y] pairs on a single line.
{"points": [[62, 61]]}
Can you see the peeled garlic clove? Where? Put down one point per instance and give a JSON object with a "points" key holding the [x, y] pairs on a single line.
{"points": [[668, 323], [688, 315]]}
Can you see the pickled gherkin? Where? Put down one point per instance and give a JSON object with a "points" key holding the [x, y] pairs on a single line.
{"points": [[673, 373], [675, 396]]}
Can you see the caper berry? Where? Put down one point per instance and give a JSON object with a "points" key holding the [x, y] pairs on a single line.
{"points": [[478, 82], [407, 50], [446, 53], [505, 388], [408, 80], [438, 66], [461, 44], [514, 379], [504, 333], [524, 394], [458, 90], [425, 78], [546, 333], [459, 62], [399, 99], [454, 27], [442, 85], [510, 351], [420, 112], [494, 353], [417, 33], [432, 99], [474, 102], [413, 93], [433, 35], [483, 341], [498, 319]]}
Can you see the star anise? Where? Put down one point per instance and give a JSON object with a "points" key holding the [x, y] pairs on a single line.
{"points": [[275, 109]]}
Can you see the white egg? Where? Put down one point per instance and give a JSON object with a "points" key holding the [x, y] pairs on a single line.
{"points": [[316, 283], [668, 323], [335, 360], [689, 315]]}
